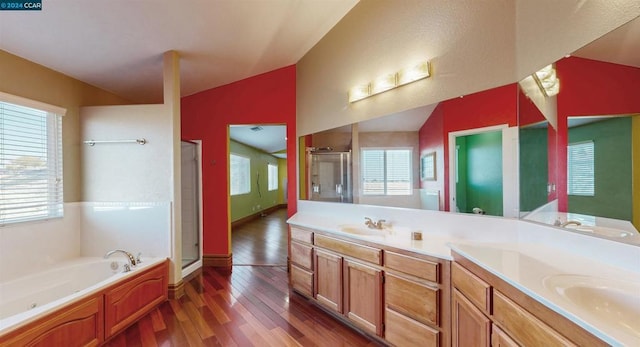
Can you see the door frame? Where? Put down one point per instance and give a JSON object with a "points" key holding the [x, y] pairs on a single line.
{"points": [[510, 167]]}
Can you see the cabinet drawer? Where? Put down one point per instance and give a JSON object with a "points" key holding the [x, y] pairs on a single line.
{"points": [[412, 266], [302, 280], [370, 254], [404, 331], [302, 255], [301, 235], [524, 327], [412, 299], [475, 289]]}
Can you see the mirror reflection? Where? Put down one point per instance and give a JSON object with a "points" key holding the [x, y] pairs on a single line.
{"points": [[465, 157]]}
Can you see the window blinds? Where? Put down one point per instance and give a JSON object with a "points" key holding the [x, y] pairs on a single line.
{"points": [[30, 164], [580, 167], [386, 171]]}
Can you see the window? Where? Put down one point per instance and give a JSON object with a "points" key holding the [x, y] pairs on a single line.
{"points": [[240, 174], [386, 171], [273, 176], [580, 169], [30, 163]]}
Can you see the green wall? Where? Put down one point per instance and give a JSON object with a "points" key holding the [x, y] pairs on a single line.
{"points": [[480, 175], [613, 168], [534, 168], [247, 204]]}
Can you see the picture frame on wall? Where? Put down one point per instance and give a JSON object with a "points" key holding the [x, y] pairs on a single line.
{"points": [[428, 167]]}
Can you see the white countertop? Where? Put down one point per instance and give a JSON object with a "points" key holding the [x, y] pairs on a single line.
{"points": [[515, 259], [528, 268]]}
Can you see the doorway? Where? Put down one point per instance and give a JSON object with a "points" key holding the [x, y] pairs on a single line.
{"points": [[257, 194], [483, 171]]}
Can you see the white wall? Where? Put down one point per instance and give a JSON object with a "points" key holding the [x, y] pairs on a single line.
{"points": [[470, 43], [127, 171]]}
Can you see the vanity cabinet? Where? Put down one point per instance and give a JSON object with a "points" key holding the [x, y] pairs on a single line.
{"points": [[414, 292], [491, 312], [363, 296], [302, 260], [328, 285], [395, 295]]}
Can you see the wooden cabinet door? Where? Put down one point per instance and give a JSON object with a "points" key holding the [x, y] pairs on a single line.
{"points": [[469, 326], [127, 302], [363, 296], [328, 284], [500, 339]]}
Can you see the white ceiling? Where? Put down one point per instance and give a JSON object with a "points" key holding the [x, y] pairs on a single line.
{"points": [[117, 45], [268, 138]]}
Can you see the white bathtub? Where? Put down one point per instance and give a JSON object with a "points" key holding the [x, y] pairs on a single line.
{"points": [[29, 297]]}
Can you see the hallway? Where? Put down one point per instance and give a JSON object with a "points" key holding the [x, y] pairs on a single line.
{"points": [[252, 306]]}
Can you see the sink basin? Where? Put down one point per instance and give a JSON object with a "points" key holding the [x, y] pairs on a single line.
{"points": [[362, 230], [616, 302], [604, 231]]}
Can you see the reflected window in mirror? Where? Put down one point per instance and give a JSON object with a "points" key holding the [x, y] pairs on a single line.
{"points": [[386, 171], [580, 165]]}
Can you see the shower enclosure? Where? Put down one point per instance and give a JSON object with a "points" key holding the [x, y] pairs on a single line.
{"points": [[330, 176], [190, 204]]}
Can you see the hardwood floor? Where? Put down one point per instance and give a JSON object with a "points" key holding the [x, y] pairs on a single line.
{"points": [[252, 306], [262, 241]]}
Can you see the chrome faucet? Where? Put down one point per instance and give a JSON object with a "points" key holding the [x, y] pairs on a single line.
{"points": [[130, 257], [373, 225], [569, 222]]}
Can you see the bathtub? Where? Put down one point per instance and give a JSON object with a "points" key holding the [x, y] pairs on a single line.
{"points": [[27, 298]]}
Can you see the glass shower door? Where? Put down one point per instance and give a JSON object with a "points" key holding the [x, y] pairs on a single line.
{"points": [[330, 176]]}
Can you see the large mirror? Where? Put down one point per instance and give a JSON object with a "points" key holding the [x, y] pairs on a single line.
{"points": [[462, 155]]}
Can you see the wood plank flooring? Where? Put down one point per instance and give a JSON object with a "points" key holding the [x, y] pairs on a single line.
{"points": [[262, 241], [252, 306]]}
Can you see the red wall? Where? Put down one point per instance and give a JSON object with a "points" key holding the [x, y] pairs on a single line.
{"points": [[590, 87], [490, 107], [269, 98]]}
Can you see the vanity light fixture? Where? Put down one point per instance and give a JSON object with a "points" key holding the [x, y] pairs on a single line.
{"points": [[390, 81], [547, 80]]}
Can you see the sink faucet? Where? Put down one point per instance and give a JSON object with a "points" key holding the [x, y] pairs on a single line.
{"points": [[373, 225], [569, 222], [130, 257]]}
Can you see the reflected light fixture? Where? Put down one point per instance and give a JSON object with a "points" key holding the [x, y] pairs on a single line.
{"points": [[390, 81], [547, 80]]}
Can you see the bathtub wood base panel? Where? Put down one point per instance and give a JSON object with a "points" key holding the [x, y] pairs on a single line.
{"points": [[93, 320], [81, 322], [126, 303]]}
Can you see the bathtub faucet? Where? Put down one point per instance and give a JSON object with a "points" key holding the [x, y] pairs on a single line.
{"points": [[132, 259]]}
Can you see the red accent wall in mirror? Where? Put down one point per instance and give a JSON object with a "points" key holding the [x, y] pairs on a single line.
{"points": [[487, 108], [588, 88]]}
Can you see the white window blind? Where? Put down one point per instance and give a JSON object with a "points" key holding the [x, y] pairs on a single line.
{"points": [[580, 167], [273, 176], [30, 164], [240, 174], [386, 171]]}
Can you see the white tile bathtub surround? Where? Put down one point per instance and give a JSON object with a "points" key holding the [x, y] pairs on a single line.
{"points": [[34, 246], [439, 227], [132, 226]]}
